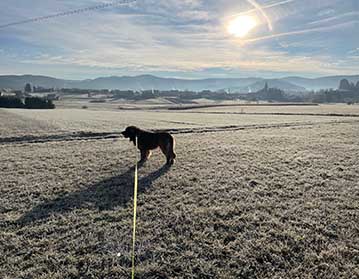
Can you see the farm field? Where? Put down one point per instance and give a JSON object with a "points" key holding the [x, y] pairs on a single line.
{"points": [[102, 119], [250, 196], [340, 109]]}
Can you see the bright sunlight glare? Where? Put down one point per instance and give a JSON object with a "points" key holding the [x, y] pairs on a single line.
{"points": [[241, 25]]}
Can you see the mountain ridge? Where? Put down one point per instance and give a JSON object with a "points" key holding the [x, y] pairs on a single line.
{"points": [[147, 81]]}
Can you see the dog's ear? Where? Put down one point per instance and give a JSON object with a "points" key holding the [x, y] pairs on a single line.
{"points": [[127, 132], [130, 132]]}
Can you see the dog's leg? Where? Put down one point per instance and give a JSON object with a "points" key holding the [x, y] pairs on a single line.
{"points": [[164, 151], [145, 154], [168, 152], [148, 154], [173, 154]]}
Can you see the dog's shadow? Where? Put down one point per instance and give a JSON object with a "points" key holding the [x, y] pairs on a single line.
{"points": [[103, 195]]}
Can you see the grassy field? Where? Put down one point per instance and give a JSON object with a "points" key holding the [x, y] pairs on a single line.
{"points": [[250, 196]]}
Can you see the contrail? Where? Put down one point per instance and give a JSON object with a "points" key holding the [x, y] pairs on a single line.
{"points": [[77, 11], [260, 9], [298, 32], [334, 18], [264, 7], [278, 3]]}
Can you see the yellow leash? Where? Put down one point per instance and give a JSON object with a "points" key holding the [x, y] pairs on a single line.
{"points": [[134, 216]]}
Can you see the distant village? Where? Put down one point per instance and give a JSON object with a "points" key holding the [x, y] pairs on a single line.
{"points": [[347, 92]]}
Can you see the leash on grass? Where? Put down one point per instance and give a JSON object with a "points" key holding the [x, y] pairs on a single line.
{"points": [[134, 216]]}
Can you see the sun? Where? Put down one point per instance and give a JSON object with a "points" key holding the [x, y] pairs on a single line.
{"points": [[241, 25]]}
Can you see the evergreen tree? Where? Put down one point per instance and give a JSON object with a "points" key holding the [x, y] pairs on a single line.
{"points": [[27, 88]]}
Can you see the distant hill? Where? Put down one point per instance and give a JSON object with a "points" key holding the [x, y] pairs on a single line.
{"points": [[273, 83], [320, 83], [142, 82], [18, 82]]}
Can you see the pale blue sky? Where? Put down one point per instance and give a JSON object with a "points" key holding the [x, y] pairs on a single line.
{"points": [[180, 38]]}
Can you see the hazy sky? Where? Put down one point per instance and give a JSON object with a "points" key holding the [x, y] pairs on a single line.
{"points": [[181, 38]]}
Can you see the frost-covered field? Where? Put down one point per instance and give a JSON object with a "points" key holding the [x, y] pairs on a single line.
{"points": [[320, 109], [250, 196], [24, 122]]}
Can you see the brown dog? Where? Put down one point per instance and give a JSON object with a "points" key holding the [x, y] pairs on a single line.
{"points": [[147, 141]]}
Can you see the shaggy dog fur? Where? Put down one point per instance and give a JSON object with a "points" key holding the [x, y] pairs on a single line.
{"points": [[148, 141]]}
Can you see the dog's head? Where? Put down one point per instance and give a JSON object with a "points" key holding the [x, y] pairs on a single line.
{"points": [[130, 132]]}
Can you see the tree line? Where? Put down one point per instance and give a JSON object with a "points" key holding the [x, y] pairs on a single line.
{"points": [[347, 92], [28, 103]]}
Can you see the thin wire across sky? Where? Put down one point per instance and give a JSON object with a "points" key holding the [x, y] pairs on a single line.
{"points": [[68, 13]]}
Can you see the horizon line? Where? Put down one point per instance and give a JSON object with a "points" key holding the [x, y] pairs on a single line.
{"points": [[182, 78]]}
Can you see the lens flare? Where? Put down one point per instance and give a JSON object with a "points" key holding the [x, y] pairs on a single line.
{"points": [[241, 25]]}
